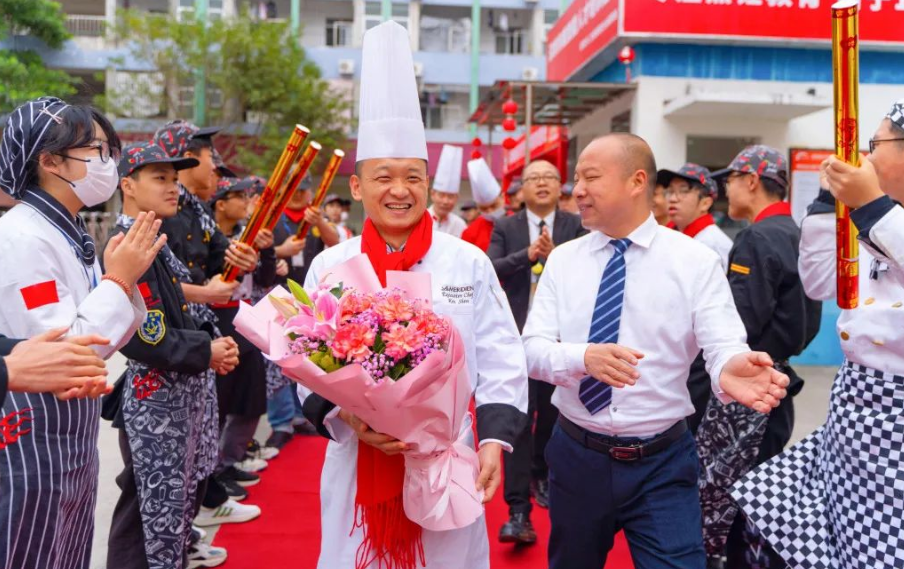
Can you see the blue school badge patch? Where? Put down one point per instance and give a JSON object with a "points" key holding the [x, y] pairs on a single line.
{"points": [[152, 330]]}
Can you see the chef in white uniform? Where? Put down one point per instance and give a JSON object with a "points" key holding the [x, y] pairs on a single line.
{"points": [[444, 193], [833, 500], [57, 159], [392, 183]]}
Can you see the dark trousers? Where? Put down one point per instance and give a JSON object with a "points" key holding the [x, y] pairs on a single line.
{"points": [[126, 542], [527, 462], [654, 500]]}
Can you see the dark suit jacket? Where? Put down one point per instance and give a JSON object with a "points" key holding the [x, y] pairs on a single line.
{"points": [[508, 251], [6, 346]]}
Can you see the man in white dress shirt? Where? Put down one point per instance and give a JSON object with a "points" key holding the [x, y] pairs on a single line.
{"points": [[618, 317]]}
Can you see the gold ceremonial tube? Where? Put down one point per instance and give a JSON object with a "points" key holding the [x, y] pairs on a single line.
{"points": [[265, 203], [846, 74], [325, 182], [298, 173]]}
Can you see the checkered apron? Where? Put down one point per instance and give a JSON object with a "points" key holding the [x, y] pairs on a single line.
{"points": [[836, 499]]}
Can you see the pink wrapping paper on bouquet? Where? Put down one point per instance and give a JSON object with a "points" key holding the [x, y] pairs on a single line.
{"points": [[425, 408]]}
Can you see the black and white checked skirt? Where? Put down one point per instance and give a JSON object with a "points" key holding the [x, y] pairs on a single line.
{"points": [[836, 499]]}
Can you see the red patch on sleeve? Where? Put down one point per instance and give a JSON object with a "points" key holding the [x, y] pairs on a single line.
{"points": [[41, 294], [145, 290]]}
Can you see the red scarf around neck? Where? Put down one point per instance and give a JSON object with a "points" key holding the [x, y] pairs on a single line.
{"points": [[295, 215], [699, 225], [390, 538]]}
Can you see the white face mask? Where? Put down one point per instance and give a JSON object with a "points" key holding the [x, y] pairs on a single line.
{"points": [[344, 217], [98, 185]]}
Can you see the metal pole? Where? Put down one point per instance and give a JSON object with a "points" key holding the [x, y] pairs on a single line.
{"points": [[528, 121], [563, 5], [475, 61], [200, 114], [386, 10], [296, 17]]}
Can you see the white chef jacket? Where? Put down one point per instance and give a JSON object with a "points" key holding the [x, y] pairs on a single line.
{"points": [[454, 225], [33, 251], [677, 302], [714, 238], [873, 333], [466, 289]]}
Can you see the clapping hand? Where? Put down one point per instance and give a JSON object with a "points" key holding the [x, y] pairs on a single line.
{"points": [[751, 380]]}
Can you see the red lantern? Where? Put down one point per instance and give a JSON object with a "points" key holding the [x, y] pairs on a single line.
{"points": [[626, 55], [509, 143], [509, 124], [510, 107], [476, 155], [476, 143]]}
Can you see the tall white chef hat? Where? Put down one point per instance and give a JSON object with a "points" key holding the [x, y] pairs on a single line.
{"points": [[483, 184], [448, 172], [389, 112]]}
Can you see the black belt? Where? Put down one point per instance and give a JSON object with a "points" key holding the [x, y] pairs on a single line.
{"points": [[624, 450]]}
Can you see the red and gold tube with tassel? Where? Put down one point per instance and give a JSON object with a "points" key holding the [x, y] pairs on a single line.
{"points": [[265, 204], [288, 190], [846, 74], [325, 182]]}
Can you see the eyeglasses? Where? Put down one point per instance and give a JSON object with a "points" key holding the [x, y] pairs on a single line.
{"points": [[545, 177], [103, 150], [684, 191], [873, 142]]}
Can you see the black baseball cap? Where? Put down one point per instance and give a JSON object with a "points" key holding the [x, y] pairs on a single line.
{"points": [[469, 205], [226, 186], [139, 155]]}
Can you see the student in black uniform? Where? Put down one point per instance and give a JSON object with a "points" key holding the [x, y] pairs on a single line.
{"points": [[283, 406], [196, 241], [781, 321], [160, 412], [241, 394]]}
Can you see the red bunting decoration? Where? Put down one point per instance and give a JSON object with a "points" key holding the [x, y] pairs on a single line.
{"points": [[510, 107]]}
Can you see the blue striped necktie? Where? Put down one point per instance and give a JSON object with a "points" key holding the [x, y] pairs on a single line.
{"points": [[596, 395]]}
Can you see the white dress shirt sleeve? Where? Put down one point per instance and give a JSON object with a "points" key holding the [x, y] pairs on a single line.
{"points": [[548, 358], [718, 328], [888, 236], [816, 263]]}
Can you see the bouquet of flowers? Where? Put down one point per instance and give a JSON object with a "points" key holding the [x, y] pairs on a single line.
{"points": [[385, 356]]}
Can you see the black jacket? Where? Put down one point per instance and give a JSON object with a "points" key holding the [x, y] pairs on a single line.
{"points": [[508, 251], [313, 246], [6, 346], [768, 293], [203, 252]]}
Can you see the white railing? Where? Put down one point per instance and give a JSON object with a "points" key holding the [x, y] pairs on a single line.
{"points": [[86, 26]]}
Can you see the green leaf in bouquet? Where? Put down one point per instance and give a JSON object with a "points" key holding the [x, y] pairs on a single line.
{"points": [[329, 363], [316, 358], [300, 293], [379, 344], [398, 371], [337, 291]]}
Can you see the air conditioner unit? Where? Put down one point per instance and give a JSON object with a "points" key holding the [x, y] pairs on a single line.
{"points": [[530, 74], [346, 67], [418, 69]]}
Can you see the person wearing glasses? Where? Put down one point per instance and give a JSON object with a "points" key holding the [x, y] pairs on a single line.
{"points": [[519, 248], [833, 499], [781, 321], [690, 193], [56, 159]]}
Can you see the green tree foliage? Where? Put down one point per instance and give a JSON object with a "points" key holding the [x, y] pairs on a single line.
{"points": [[258, 66], [23, 75]]}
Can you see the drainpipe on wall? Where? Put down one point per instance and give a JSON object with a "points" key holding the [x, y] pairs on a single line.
{"points": [[475, 60], [200, 114]]}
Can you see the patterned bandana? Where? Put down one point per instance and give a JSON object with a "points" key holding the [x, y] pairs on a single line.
{"points": [[896, 114], [188, 199], [73, 228], [25, 128]]}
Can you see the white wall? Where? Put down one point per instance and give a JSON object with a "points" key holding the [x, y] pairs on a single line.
{"points": [[313, 19]]}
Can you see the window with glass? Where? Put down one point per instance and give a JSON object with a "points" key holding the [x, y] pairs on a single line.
{"points": [[186, 8], [373, 14], [338, 32], [513, 42]]}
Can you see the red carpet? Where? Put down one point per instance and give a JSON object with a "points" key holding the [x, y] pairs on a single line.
{"points": [[287, 535]]}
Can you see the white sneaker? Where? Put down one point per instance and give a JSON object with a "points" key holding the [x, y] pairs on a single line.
{"points": [[231, 512], [268, 453], [202, 534], [203, 555], [252, 464]]}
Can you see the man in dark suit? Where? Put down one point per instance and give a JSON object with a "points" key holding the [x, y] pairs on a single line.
{"points": [[519, 248]]}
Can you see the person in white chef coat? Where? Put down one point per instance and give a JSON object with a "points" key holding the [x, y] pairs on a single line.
{"points": [[444, 193], [56, 159], [617, 319], [834, 499], [392, 182]]}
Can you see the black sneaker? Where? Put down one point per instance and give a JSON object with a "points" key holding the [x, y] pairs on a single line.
{"points": [[242, 478], [279, 439], [232, 488]]}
